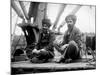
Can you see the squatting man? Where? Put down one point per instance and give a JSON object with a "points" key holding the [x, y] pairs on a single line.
{"points": [[72, 43]]}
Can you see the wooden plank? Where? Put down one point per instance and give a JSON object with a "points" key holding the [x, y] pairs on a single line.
{"points": [[27, 64], [26, 67]]}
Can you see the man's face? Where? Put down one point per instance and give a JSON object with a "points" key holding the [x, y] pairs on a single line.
{"points": [[45, 26], [70, 23]]}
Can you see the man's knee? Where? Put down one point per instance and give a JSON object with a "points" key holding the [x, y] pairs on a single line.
{"points": [[72, 50], [73, 43]]}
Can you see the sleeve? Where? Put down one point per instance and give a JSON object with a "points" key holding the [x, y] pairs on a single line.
{"points": [[50, 46], [52, 37], [65, 38], [77, 38]]}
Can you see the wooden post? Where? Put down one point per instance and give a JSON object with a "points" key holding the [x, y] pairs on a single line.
{"points": [[58, 17], [24, 10], [17, 10]]}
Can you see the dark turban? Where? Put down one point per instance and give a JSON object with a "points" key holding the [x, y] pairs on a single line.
{"points": [[47, 22]]}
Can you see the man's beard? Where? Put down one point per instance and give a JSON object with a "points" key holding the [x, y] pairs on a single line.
{"points": [[70, 26]]}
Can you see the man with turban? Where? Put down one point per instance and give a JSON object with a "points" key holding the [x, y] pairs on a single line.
{"points": [[45, 46], [72, 40]]}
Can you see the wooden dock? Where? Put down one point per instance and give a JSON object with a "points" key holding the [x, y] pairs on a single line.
{"points": [[28, 67]]}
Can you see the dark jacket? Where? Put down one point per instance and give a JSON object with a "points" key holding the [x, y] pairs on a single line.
{"points": [[46, 40], [74, 35]]}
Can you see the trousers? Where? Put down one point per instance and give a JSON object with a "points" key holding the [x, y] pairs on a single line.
{"points": [[72, 51]]}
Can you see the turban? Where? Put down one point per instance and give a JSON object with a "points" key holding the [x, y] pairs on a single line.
{"points": [[47, 22], [73, 17]]}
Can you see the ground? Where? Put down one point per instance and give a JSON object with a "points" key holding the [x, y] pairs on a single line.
{"points": [[28, 67]]}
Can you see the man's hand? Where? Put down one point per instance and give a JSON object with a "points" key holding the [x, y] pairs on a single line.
{"points": [[43, 50], [64, 46], [36, 51]]}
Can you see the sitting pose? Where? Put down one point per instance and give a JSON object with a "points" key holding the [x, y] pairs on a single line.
{"points": [[72, 40], [41, 50], [44, 46]]}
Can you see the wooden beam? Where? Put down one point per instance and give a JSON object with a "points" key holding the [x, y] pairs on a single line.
{"points": [[24, 9], [17, 10], [74, 11], [40, 15], [58, 17], [45, 11], [75, 65]]}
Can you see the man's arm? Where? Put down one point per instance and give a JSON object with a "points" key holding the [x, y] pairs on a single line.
{"points": [[77, 37], [65, 38]]}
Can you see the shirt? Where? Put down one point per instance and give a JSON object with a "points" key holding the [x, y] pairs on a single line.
{"points": [[74, 35]]}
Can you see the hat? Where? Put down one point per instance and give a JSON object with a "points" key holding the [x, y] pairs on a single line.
{"points": [[46, 21]]}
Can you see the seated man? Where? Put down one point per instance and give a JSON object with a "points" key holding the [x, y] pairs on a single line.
{"points": [[41, 50], [44, 48], [72, 40]]}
